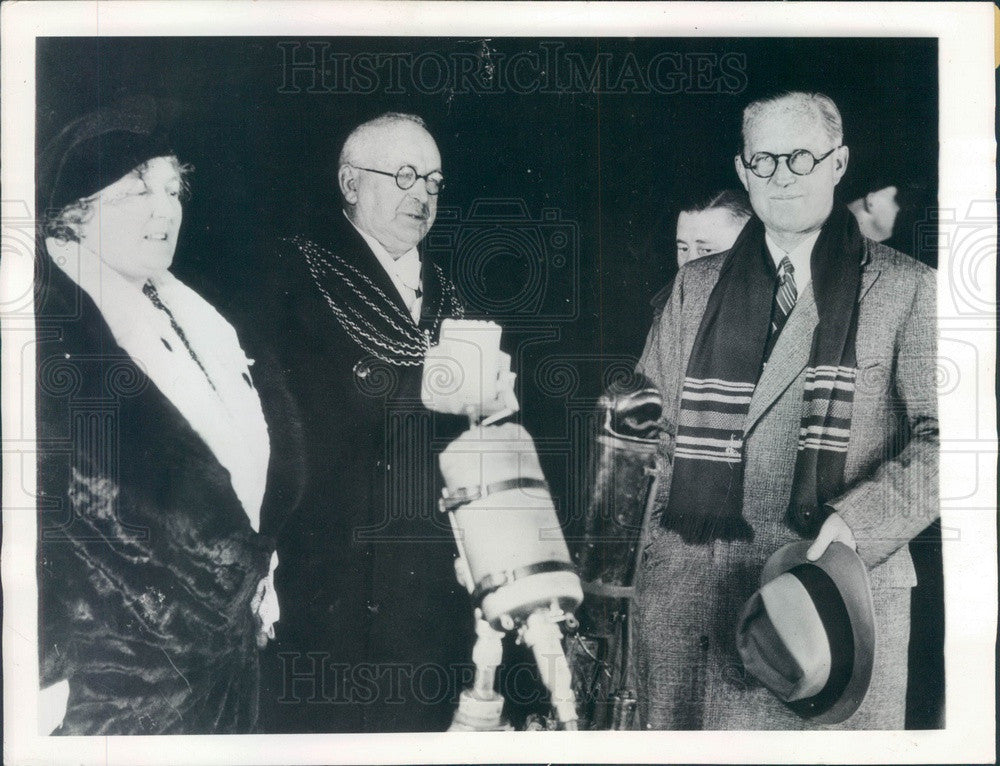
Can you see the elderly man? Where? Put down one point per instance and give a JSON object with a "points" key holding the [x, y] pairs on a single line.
{"points": [[373, 623], [797, 376]]}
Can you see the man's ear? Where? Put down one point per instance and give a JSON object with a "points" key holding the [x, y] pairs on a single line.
{"points": [[840, 157], [347, 177], [741, 171], [867, 200]]}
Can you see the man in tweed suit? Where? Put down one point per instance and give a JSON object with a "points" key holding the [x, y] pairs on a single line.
{"points": [[797, 376]]}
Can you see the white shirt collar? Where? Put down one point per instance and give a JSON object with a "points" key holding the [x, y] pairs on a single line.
{"points": [[800, 256], [404, 271], [393, 266]]}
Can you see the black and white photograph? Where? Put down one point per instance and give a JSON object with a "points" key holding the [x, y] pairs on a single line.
{"points": [[495, 384]]}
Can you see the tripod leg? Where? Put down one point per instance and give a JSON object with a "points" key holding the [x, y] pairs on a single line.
{"points": [[480, 707], [545, 639]]}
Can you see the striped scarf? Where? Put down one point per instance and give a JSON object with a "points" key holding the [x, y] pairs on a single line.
{"points": [[730, 350]]}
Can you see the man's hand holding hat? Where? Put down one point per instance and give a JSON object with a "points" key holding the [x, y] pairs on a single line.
{"points": [[834, 529]]}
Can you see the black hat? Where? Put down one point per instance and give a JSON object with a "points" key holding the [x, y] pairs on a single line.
{"points": [[97, 149], [808, 633], [871, 169]]}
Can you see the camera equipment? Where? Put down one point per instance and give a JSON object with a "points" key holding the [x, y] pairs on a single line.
{"points": [[622, 485], [512, 556]]}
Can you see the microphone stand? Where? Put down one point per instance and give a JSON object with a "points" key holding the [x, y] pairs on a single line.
{"points": [[480, 706]]}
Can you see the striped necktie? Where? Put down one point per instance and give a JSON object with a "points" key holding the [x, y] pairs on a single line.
{"points": [[784, 301]]}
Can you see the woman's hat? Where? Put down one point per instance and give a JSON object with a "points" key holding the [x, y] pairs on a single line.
{"points": [[808, 633], [98, 148]]}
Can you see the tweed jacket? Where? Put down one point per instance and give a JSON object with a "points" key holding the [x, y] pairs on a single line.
{"points": [[689, 596]]}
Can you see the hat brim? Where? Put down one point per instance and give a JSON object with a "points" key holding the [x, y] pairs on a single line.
{"points": [[850, 574]]}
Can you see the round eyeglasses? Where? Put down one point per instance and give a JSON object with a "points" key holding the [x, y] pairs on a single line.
{"points": [[802, 162], [407, 175]]}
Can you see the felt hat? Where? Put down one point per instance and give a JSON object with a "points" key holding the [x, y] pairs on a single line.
{"points": [[808, 632], [102, 146]]}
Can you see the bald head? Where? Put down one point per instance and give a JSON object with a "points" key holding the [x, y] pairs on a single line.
{"points": [[372, 154]]}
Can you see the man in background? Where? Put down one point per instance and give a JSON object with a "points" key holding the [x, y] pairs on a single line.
{"points": [[876, 211], [712, 224], [706, 225]]}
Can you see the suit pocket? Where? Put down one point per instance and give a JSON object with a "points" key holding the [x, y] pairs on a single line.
{"points": [[895, 572], [872, 376]]}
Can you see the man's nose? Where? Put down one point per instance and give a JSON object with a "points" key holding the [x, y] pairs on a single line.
{"points": [[783, 175], [419, 189]]}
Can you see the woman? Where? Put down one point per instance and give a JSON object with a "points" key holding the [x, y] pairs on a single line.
{"points": [[155, 582]]}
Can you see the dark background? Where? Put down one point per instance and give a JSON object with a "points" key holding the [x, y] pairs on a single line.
{"points": [[590, 183]]}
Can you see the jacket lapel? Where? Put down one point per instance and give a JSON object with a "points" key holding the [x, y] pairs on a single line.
{"points": [[431, 288], [342, 238], [869, 273], [788, 358], [369, 264]]}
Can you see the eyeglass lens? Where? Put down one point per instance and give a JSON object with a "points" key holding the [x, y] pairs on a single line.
{"points": [[801, 162], [407, 175]]}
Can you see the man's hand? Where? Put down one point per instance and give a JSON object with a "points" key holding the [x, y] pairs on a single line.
{"points": [[834, 529]]}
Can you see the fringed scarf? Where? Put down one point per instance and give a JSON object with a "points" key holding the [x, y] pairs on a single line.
{"points": [[706, 495]]}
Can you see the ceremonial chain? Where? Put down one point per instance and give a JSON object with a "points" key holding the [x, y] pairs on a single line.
{"points": [[401, 342]]}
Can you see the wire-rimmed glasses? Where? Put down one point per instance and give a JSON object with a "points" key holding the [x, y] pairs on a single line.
{"points": [[407, 175]]}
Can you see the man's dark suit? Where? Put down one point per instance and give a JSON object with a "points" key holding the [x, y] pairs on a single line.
{"points": [[366, 578]]}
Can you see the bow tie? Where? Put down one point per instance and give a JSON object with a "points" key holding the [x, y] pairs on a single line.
{"points": [[408, 270]]}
